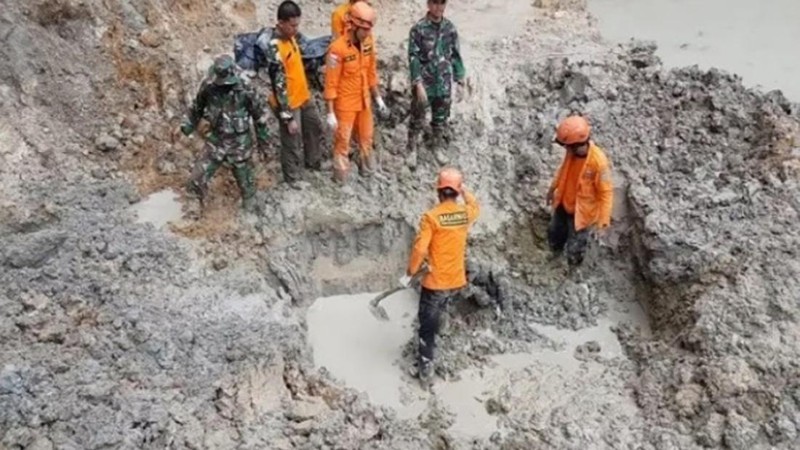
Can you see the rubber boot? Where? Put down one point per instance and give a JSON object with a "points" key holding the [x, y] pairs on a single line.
{"points": [[414, 140], [200, 194], [366, 166], [249, 204], [439, 144], [340, 176], [425, 372]]}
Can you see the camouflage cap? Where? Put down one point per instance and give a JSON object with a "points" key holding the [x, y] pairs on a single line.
{"points": [[224, 70]]}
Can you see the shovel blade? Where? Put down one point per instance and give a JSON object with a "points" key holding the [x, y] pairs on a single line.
{"points": [[379, 312], [374, 305]]}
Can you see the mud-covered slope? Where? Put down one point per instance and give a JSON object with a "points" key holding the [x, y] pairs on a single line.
{"points": [[114, 334]]}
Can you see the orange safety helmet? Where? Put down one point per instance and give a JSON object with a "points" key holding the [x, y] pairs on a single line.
{"points": [[573, 130], [450, 177], [362, 15]]}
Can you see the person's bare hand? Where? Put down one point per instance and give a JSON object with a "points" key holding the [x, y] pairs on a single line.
{"points": [[422, 96], [293, 127]]}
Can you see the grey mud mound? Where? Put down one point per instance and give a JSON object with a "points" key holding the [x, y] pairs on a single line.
{"points": [[118, 334]]}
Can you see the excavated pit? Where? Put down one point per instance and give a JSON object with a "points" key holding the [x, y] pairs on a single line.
{"points": [[366, 354]]}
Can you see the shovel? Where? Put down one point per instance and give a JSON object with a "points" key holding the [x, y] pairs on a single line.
{"points": [[374, 305]]}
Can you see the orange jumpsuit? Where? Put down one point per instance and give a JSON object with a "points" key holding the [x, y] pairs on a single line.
{"points": [[339, 19], [442, 237], [350, 74]]}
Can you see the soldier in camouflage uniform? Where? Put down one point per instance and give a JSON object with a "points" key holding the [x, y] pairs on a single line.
{"points": [[435, 62], [228, 103]]}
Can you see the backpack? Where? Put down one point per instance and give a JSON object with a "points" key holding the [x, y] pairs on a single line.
{"points": [[248, 50]]}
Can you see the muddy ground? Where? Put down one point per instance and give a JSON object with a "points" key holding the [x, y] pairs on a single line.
{"points": [[121, 334]]}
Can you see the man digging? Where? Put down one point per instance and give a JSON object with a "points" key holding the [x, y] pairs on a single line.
{"points": [[442, 241]]}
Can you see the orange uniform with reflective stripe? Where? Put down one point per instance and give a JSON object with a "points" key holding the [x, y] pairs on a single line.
{"points": [[442, 238], [350, 74], [593, 188], [296, 83], [339, 19]]}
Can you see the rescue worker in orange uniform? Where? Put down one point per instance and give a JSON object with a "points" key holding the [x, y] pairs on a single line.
{"points": [[339, 18], [442, 240], [581, 193], [351, 82]]}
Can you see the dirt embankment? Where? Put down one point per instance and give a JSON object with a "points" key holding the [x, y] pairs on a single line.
{"points": [[114, 334]]}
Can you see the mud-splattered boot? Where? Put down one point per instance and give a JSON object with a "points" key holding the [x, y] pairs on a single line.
{"points": [[414, 141], [425, 373], [249, 205], [198, 193], [439, 144], [366, 166], [340, 176]]}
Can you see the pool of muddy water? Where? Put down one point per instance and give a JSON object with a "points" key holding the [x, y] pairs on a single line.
{"points": [[159, 208], [366, 353]]}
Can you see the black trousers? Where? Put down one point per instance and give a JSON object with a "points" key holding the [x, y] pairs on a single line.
{"points": [[431, 306], [563, 237]]}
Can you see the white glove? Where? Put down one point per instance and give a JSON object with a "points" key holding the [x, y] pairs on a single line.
{"points": [[405, 281], [332, 122], [382, 109]]}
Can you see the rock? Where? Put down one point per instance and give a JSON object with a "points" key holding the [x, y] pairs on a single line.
{"points": [[130, 122], [219, 264], [106, 143], [5, 94], [34, 301], [138, 140], [151, 38], [262, 390], [35, 250], [41, 443], [587, 351], [166, 167], [52, 332], [781, 429], [303, 428], [99, 173], [496, 406], [740, 433], [688, 399], [306, 409]]}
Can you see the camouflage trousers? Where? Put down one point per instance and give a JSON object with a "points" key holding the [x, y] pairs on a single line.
{"points": [[214, 156], [440, 112]]}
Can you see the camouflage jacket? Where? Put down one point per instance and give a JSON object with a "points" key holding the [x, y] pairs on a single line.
{"points": [[228, 109], [276, 70], [434, 56]]}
